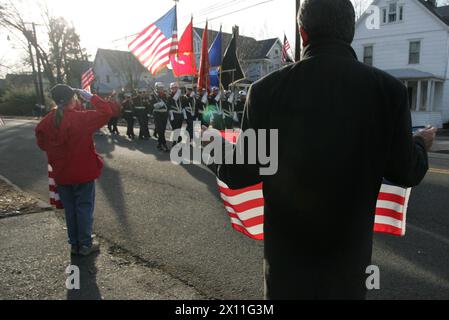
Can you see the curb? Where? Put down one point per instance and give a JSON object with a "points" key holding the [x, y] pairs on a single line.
{"points": [[41, 204]]}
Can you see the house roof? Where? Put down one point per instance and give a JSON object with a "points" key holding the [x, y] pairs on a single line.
{"points": [[247, 48], [119, 61], [410, 74], [441, 13]]}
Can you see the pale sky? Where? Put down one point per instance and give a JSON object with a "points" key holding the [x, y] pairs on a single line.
{"points": [[100, 22]]}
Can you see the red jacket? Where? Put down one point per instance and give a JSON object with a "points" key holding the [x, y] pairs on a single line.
{"points": [[70, 149]]}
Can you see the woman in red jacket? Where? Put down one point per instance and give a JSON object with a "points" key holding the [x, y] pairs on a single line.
{"points": [[66, 136]]}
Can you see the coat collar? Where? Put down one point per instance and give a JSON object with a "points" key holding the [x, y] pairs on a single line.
{"points": [[329, 47]]}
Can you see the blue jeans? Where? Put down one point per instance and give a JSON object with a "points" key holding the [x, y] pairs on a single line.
{"points": [[79, 203]]}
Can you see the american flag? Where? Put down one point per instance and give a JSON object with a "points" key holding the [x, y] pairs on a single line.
{"points": [[87, 78], [285, 48], [55, 201], [245, 206], [156, 43]]}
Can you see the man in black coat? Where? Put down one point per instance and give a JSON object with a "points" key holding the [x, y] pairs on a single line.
{"points": [[343, 127]]}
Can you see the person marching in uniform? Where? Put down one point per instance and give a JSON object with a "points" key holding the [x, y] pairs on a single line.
{"points": [[214, 111], [175, 109], [228, 109], [142, 116], [188, 102], [128, 115], [201, 105], [160, 111], [146, 101], [240, 106], [116, 111]]}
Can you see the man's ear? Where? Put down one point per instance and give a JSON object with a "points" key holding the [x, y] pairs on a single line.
{"points": [[304, 36]]}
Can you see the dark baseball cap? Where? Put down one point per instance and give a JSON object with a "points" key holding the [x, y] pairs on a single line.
{"points": [[62, 94]]}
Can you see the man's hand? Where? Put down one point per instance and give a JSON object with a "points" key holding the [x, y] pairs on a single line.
{"points": [[84, 94], [428, 136]]}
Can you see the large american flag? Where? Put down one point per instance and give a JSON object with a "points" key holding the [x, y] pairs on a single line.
{"points": [[156, 43], [245, 206], [87, 78]]}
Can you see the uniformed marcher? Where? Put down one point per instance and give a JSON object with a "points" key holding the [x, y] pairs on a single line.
{"points": [[141, 112], [128, 115], [240, 106], [116, 111], [189, 102], [227, 106], [343, 126], [213, 114], [175, 112], [201, 106], [159, 100]]}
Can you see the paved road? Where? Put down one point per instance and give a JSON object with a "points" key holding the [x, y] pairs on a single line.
{"points": [[171, 217]]}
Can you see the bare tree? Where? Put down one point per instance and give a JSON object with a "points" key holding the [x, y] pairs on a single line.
{"points": [[63, 41]]}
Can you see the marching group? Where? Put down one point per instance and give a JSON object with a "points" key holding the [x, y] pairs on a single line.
{"points": [[176, 107]]}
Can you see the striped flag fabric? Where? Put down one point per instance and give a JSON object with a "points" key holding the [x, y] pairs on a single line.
{"points": [[157, 42], [245, 206], [87, 78], [391, 209], [55, 201]]}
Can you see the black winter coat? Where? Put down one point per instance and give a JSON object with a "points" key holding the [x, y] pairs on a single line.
{"points": [[343, 127]]}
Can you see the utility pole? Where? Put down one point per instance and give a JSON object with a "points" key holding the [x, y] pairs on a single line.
{"points": [[39, 71], [298, 35], [30, 50]]}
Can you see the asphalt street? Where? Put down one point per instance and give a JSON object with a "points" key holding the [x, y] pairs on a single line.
{"points": [[171, 217]]}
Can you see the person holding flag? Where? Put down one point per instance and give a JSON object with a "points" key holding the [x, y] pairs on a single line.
{"points": [[176, 115], [319, 205]]}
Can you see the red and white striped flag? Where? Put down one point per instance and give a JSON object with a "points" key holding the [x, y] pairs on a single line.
{"points": [[245, 206], [55, 201], [285, 48], [157, 42], [87, 78]]}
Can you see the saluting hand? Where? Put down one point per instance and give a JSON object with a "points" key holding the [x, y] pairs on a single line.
{"points": [[84, 94]]}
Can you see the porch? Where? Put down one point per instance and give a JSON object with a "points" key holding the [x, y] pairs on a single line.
{"points": [[425, 93]]}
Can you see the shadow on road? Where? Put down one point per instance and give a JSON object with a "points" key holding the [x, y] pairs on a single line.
{"points": [[88, 279]]}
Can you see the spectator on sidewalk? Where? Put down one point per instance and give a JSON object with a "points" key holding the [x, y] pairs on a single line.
{"points": [[65, 134], [343, 126]]}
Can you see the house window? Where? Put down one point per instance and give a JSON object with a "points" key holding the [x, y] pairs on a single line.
{"points": [[392, 12], [415, 52], [368, 55]]}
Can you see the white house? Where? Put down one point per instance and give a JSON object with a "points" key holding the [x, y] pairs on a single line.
{"points": [[120, 70], [257, 57], [411, 44]]}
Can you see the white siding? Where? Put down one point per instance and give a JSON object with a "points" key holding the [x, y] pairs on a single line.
{"points": [[391, 51], [391, 41]]}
